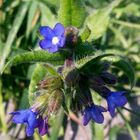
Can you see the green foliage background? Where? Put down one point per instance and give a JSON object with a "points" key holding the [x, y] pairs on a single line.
{"points": [[111, 25]]}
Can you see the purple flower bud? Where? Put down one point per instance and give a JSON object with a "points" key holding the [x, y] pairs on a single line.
{"points": [[108, 78], [97, 85], [72, 35]]}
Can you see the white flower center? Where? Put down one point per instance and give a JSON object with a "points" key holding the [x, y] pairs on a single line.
{"points": [[55, 40]]}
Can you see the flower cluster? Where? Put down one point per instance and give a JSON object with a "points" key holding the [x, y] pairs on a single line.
{"points": [[47, 102], [98, 81], [79, 82]]}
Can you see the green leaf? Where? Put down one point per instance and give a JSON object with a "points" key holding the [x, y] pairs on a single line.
{"points": [[56, 127], [85, 33], [37, 75], [98, 20], [47, 17], [97, 131], [51, 69], [127, 68], [24, 103], [71, 12], [116, 60], [13, 32], [123, 64], [128, 126], [31, 14], [113, 133], [88, 61], [131, 8], [35, 56], [2, 111]]}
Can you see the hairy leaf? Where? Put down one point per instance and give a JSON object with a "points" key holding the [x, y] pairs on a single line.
{"points": [[127, 68], [36, 56], [51, 69], [120, 62], [37, 75]]}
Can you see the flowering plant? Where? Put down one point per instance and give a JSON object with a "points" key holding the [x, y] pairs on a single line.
{"points": [[79, 78], [72, 75]]}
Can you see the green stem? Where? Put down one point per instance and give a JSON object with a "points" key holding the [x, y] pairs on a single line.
{"points": [[57, 126], [120, 36], [127, 24], [2, 112], [132, 134], [131, 111]]}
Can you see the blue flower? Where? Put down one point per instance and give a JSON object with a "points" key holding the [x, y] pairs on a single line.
{"points": [[53, 38], [114, 100], [27, 117], [93, 112]]}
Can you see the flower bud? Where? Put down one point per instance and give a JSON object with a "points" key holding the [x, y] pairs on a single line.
{"points": [[98, 85], [108, 78], [70, 73], [50, 83], [40, 101], [46, 103], [71, 35], [54, 102]]}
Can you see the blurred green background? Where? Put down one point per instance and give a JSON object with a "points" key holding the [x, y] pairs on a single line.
{"points": [[117, 32]]}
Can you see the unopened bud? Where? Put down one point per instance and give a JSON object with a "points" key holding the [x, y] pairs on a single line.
{"points": [[71, 35], [50, 83], [108, 78], [55, 102]]}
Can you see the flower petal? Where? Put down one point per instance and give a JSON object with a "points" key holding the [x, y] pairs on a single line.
{"points": [[101, 109], [62, 41], [45, 44], [120, 101], [46, 32], [53, 49], [27, 117], [20, 116], [31, 124], [86, 118], [119, 93], [59, 29], [96, 115], [29, 130], [42, 126], [32, 121], [111, 108]]}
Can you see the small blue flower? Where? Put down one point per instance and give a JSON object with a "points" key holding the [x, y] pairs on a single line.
{"points": [[53, 38], [114, 100], [93, 112], [27, 117]]}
